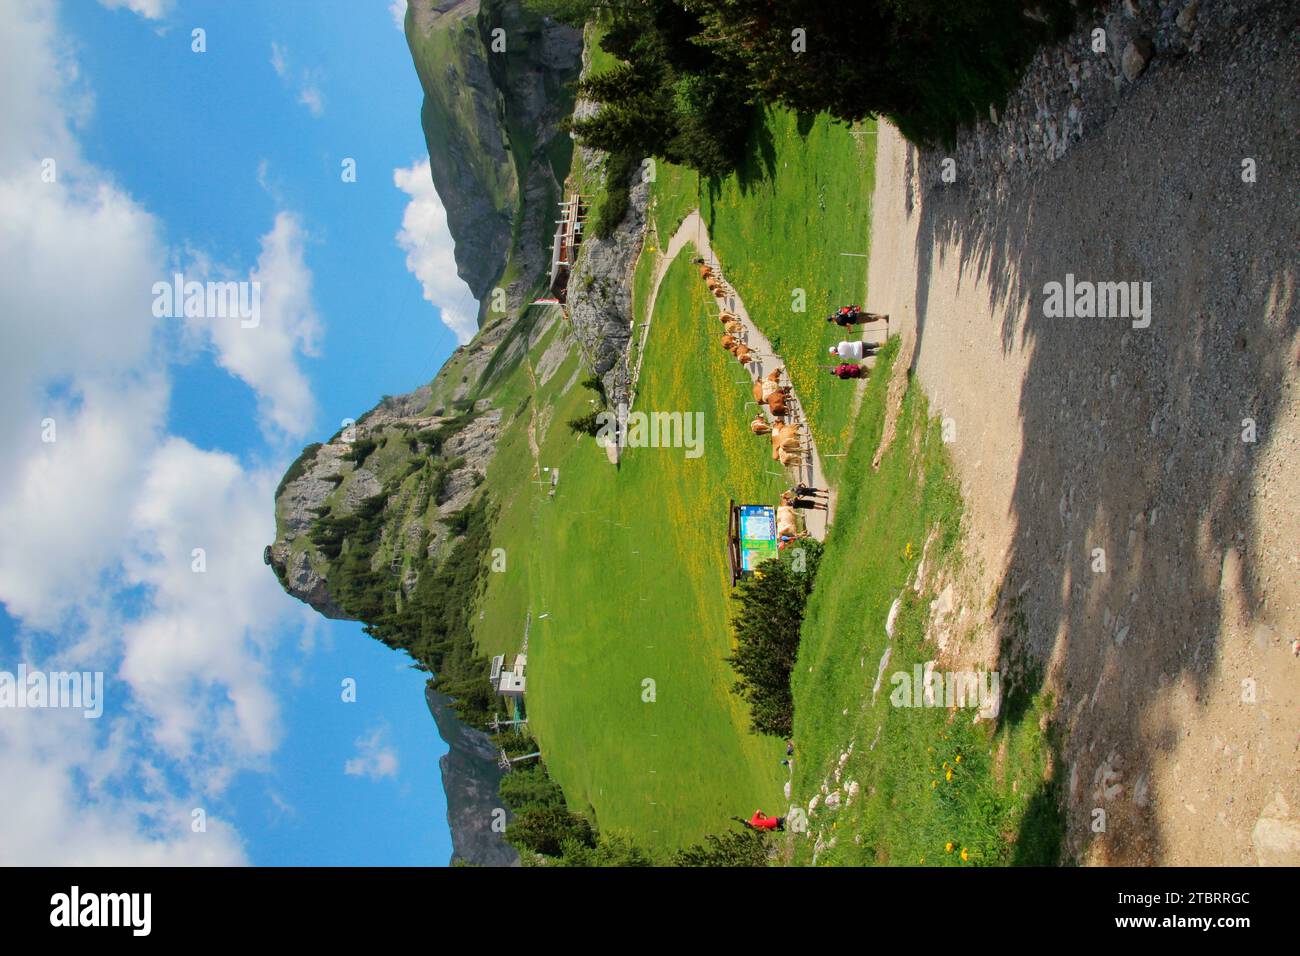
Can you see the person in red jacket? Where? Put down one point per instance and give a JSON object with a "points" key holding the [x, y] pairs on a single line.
{"points": [[761, 821], [847, 370]]}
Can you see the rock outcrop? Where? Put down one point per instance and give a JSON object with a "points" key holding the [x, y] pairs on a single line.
{"points": [[599, 292]]}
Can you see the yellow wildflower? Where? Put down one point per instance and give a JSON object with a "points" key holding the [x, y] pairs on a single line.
{"points": [[947, 848], [963, 855]]}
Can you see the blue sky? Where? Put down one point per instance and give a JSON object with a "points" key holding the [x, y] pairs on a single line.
{"points": [[170, 433]]}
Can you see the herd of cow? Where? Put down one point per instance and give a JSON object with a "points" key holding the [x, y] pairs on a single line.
{"points": [[790, 441]]}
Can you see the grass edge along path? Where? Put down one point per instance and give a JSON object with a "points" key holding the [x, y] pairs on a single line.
{"points": [[917, 786]]}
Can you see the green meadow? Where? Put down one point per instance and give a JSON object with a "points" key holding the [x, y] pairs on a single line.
{"points": [[629, 689]]}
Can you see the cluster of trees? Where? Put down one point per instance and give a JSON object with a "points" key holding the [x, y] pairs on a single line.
{"points": [[670, 97], [769, 613], [694, 70]]}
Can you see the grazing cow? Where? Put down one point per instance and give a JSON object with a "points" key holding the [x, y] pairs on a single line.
{"points": [[705, 272], [758, 426], [728, 343], [787, 521], [734, 327], [785, 438], [776, 403], [774, 375], [744, 355], [758, 391], [790, 459], [770, 387], [727, 316]]}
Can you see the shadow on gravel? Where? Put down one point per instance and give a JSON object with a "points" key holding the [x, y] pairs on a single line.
{"points": [[1133, 437]]}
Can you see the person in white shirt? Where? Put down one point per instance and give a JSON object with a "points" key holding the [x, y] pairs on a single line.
{"points": [[853, 351]]}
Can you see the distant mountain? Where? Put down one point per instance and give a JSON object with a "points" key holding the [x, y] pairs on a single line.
{"points": [[496, 81]]}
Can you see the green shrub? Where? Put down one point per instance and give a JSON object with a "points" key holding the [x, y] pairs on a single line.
{"points": [[361, 450], [611, 206], [588, 424], [548, 829], [769, 613], [743, 848]]}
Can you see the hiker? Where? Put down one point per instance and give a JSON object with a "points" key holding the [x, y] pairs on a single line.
{"points": [[803, 491], [761, 821], [788, 539], [850, 315], [807, 504], [847, 371], [853, 350]]}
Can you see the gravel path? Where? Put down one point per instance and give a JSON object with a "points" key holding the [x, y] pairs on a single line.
{"points": [[1120, 528]]}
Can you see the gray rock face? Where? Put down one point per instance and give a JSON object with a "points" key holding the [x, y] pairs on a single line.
{"points": [[470, 778], [363, 485], [308, 586], [472, 99], [296, 506], [600, 291], [600, 286]]}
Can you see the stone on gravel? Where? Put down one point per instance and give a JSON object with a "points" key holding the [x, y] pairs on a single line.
{"points": [[1136, 57]]}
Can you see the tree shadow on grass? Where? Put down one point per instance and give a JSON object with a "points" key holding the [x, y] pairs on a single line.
{"points": [[759, 164]]}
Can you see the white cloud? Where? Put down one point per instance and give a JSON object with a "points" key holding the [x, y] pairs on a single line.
{"points": [[397, 9], [375, 757], [98, 527], [308, 81], [279, 60], [65, 803], [311, 97], [265, 355], [150, 9], [427, 242], [77, 260], [198, 662]]}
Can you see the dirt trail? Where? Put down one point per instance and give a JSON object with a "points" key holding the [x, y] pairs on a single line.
{"points": [[692, 230], [1120, 527]]}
